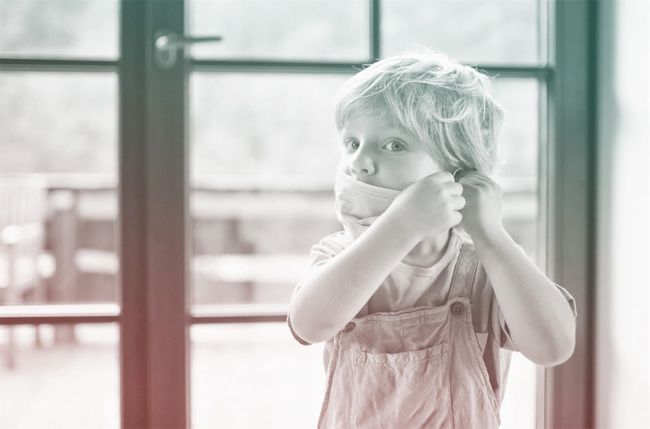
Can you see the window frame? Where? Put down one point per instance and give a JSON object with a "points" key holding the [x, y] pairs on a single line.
{"points": [[154, 316]]}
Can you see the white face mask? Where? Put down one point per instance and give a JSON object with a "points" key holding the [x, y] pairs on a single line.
{"points": [[359, 204]]}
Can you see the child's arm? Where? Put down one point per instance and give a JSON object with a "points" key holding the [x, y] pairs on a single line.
{"points": [[539, 317], [332, 295]]}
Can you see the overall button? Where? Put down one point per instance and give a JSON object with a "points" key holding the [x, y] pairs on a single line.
{"points": [[350, 326], [457, 308]]}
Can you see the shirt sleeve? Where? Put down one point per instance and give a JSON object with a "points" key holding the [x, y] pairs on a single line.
{"points": [[320, 253], [501, 331], [498, 326]]}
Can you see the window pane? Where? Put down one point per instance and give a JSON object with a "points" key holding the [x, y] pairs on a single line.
{"points": [[517, 170], [58, 123], [57, 186], [261, 127], [254, 376], [253, 135], [517, 174], [487, 32], [59, 28], [334, 30], [58, 383], [241, 141]]}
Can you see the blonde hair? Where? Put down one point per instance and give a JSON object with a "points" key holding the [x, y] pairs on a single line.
{"points": [[441, 101]]}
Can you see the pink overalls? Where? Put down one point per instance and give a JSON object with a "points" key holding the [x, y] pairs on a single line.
{"points": [[415, 368]]}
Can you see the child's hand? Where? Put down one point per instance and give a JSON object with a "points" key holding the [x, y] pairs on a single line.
{"points": [[430, 205], [482, 211]]}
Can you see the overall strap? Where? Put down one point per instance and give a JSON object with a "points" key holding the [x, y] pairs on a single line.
{"points": [[462, 279]]}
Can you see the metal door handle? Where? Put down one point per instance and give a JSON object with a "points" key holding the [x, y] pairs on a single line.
{"points": [[167, 45]]}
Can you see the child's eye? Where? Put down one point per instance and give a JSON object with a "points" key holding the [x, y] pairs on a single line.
{"points": [[395, 146], [351, 144]]}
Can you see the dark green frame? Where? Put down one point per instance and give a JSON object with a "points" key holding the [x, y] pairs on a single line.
{"points": [[572, 185], [154, 317]]}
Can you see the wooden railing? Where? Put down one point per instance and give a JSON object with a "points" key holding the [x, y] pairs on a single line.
{"points": [[81, 234]]}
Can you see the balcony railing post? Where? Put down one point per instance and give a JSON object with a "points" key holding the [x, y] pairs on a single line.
{"points": [[64, 246]]}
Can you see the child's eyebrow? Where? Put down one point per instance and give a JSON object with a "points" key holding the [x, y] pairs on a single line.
{"points": [[389, 136], [390, 132]]}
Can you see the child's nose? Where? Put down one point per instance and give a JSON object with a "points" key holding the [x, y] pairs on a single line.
{"points": [[362, 166], [362, 163], [364, 171]]}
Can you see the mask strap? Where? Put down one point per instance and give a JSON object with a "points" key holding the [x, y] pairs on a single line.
{"points": [[459, 173]]}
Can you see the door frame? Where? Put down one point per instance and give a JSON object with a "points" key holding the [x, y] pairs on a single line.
{"points": [[572, 186], [153, 195]]}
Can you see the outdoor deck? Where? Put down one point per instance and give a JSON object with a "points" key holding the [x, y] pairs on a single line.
{"points": [[243, 376]]}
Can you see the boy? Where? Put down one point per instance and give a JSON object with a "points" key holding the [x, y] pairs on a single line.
{"points": [[414, 313]]}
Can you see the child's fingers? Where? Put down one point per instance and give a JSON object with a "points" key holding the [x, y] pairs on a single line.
{"points": [[454, 188], [457, 202], [442, 177]]}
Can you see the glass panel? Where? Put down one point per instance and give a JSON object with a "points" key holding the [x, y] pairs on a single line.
{"points": [[260, 127], [517, 174], [253, 376], [263, 153], [59, 28], [517, 171], [49, 366], [57, 186], [335, 30], [486, 32]]}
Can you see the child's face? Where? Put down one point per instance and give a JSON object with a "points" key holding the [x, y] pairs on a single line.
{"points": [[378, 151]]}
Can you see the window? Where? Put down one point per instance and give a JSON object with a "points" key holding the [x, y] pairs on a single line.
{"points": [[58, 213], [172, 183]]}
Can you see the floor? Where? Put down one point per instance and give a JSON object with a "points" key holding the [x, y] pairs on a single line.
{"points": [[243, 376]]}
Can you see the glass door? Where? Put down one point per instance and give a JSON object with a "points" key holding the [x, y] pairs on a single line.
{"points": [[188, 150]]}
